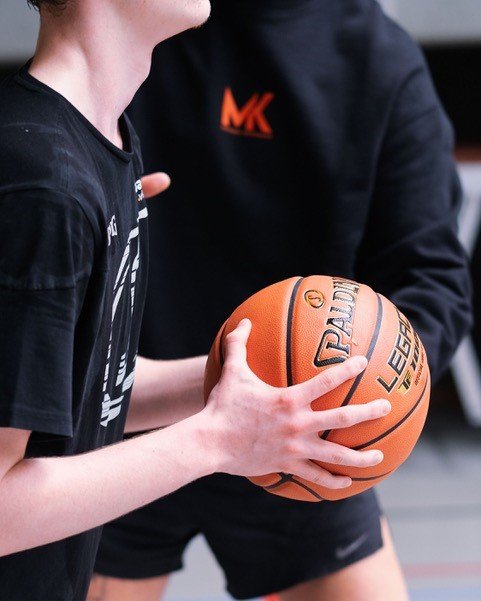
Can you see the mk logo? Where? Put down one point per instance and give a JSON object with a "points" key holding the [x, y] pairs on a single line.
{"points": [[248, 120]]}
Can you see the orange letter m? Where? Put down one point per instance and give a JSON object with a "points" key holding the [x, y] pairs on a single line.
{"points": [[250, 118]]}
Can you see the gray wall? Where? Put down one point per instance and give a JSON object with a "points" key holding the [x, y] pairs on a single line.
{"points": [[18, 28], [438, 21]]}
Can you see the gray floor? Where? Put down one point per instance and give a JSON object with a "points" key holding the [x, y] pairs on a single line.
{"points": [[433, 503]]}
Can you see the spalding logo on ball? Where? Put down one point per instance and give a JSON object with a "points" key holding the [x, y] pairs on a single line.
{"points": [[302, 326]]}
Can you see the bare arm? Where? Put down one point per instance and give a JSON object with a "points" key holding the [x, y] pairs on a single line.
{"points": [[48, 499], [165, 392], [247, 428]]}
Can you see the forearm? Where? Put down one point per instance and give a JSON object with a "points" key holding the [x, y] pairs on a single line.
{"points": [[45, 500], [247, 428], [165, 392]]}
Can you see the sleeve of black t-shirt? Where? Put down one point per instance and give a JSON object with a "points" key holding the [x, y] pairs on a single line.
{"points": [[46, 256], [411, 252]]}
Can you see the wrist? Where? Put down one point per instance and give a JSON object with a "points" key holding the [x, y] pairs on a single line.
{"points": [[209, 441]]}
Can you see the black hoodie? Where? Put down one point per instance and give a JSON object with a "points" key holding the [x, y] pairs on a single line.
{"points": [[303, 137]]}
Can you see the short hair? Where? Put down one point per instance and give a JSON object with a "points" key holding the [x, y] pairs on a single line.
{"points": [[52, 3]]}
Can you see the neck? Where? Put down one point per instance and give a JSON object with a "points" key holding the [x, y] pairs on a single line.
{"points": [[94, 62]]}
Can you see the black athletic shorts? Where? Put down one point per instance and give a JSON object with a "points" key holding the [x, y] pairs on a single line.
{"points": [[264, 543]]}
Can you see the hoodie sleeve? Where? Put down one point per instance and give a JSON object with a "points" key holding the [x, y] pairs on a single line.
{"points": [[411, 252]]}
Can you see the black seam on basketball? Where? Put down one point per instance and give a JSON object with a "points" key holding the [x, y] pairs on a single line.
{"points": [[288, 478], [372, 477], [290, 315], [407, 416], [309, 490], [284, 478], [369, 353]]}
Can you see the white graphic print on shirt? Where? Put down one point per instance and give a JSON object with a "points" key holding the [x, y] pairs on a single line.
{"points": [[111, 407]]}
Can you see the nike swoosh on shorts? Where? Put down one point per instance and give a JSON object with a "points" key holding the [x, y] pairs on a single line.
{"points": [[343, 552]]}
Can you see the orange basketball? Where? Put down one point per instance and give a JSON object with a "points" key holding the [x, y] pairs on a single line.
{"points": [[302, 326]]}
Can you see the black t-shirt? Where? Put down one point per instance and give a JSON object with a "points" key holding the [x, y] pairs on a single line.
{"points": [[303, 137], [73, 266]]}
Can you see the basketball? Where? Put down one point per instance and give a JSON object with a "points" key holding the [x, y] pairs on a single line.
{"points": [[302, 326]]}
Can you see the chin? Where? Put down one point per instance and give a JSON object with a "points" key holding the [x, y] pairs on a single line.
{"points": [[200, 12], [175, 17]]}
